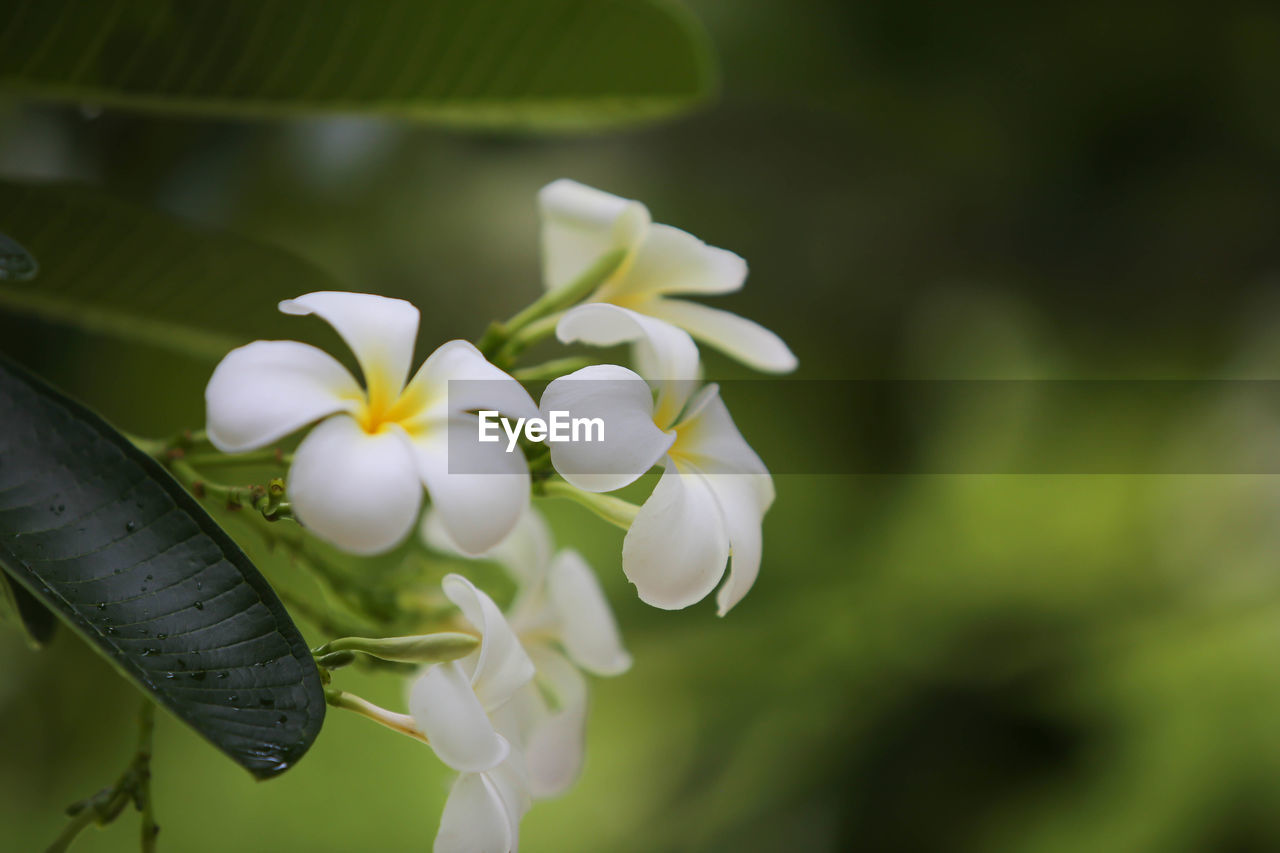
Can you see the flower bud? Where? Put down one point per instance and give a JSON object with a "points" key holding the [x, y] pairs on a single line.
{"points": [[424, 648]]}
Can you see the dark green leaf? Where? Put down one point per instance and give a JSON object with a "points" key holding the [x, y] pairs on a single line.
{"points": [[547, 63], [36, 620], [103, 536], [16, 263], [114, 268]]}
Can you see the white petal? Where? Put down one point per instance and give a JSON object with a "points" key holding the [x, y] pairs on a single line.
{"points": [[525, 552], [556, 743], [676, 549], [674, 261], [670, 352], [263, 391], [579, 224], [748, 342], [448, 712], [623, 402], [710, 440], [739, 499], [501, 666], [480, 490], [475, 818], [355, 490], [663, 353], [435, 536], [511, 781], [711, 444], [456, 378], [588, 630], [380, 331]]}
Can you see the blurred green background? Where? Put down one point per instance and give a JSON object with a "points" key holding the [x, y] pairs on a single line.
{"points": [[967, 663]]}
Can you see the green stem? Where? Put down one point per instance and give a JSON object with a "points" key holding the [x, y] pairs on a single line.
{"points": [[324, 621], [153, 447], [146, 731], [551, 369], [133, 785], [499, 336], [265, 500], [168, 448], [575, 291], [401, 723], [342, 587], [71, 830], [525, 338], [272, 456], [616, 511]]}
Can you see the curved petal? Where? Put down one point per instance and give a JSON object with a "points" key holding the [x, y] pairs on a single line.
{"points": [[738, 337], [263, 391], [479, 489], [588, 630], [663, 353], [670, 352], [449, 713], [709, 439], [501, 665], [579, 224], [674, 261], [556, 744], [456, 378], [622, 401], [709, 442], [355, 490], [676, 549], [380, 331], [525, 552], [511, 781], [739, 499], [475, 818]]}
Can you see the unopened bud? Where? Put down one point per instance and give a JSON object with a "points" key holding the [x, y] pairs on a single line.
{"points": [[425, 648]]}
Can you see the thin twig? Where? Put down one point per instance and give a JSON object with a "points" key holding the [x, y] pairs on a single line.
{"points": [[146, 730], [134, 785]]}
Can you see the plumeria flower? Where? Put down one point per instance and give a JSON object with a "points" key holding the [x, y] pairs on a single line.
{"points": [[710, 502], [453, 704], [581, 224], [357, 478], [564, 622]]}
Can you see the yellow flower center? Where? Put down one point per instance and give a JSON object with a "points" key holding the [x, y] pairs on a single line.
{"points": [[379, 409]]}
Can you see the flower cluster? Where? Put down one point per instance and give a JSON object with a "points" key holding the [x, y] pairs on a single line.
{"points": [[510, 715]]}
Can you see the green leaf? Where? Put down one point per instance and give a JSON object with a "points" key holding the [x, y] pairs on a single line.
{"points": [[513, 63], [16, 263], [106, 539], [114, 268]]}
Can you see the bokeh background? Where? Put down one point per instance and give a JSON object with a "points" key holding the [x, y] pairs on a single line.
{"points": [[961, 663]]}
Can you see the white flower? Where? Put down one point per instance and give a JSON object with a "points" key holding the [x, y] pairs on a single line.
{"points": [[357, 478], [714, 491], [580, 224], [565, 624], [453, 705]]}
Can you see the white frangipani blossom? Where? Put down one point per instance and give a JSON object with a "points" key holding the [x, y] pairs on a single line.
{"points": [[454, 704], [581, 224], [710, 502], [564, 622], [357, 478]]}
